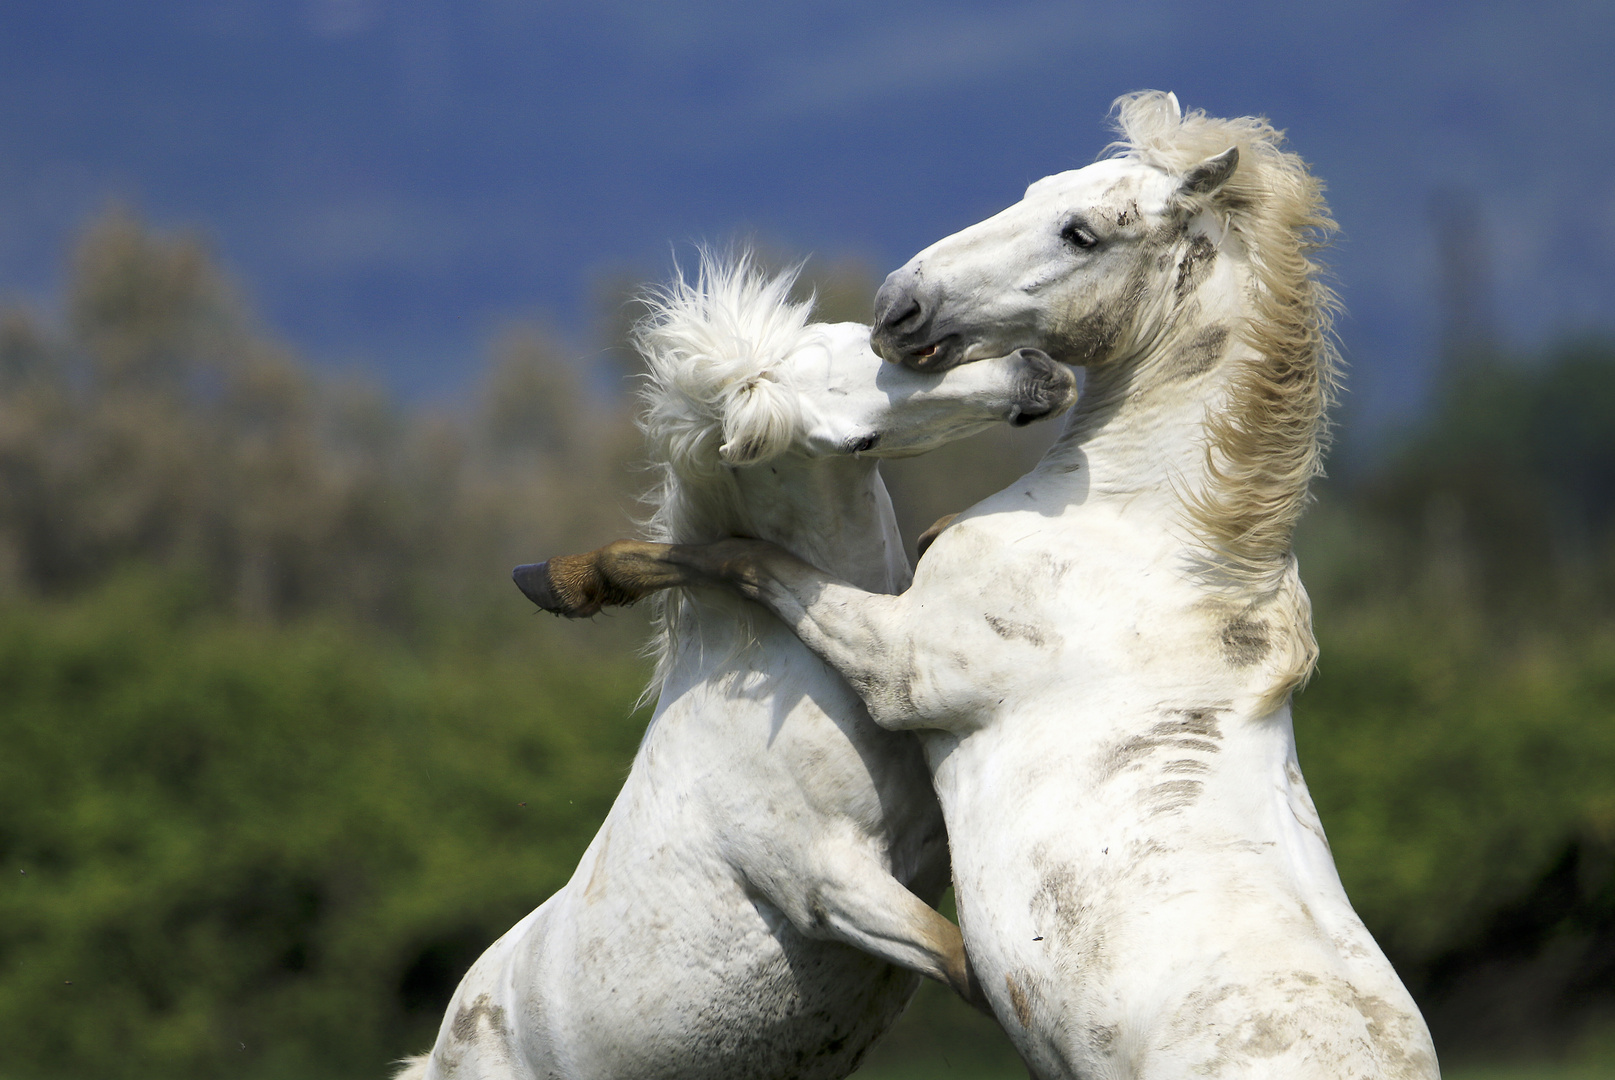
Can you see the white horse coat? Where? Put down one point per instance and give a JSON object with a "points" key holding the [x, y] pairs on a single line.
{"points": [[772, 853], [1099, 659]]}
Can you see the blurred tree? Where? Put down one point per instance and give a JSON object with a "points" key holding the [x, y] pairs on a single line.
{"points": [[163, 427], [1504, 498]]}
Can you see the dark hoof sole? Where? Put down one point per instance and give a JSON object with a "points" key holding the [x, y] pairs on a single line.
{"points": [[533, 579]]}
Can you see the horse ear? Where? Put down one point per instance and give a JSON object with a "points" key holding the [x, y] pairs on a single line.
{"points": [[1210, 174]]}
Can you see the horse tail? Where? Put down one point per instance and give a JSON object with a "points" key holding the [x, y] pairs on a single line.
{"points": [[413, 1068]]}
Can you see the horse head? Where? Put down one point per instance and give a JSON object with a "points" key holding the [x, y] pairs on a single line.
{"points": [[1083, 267]]}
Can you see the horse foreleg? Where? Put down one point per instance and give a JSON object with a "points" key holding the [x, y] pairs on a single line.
{"points": [[622, 572], [874, 912], [862, 635]]}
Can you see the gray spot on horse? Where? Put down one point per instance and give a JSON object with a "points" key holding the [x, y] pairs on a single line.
{"points": [[1264, 1036], [1394, 1033], [1201, 721], [1195, 266], [466, 1020], [1093, 337], [1200, 353], [1009, 628], [1018, 1001], [1301, 806], [1173, 795], [1189, 730], [1244, 641]]}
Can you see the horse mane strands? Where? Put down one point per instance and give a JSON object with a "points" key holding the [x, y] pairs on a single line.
{"points": [[716, 395], [1268, 441]]}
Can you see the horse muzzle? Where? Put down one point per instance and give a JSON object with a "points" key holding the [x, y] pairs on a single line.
{"points": [[906, 329], [1047, 389]]}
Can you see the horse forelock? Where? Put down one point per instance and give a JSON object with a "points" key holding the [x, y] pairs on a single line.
{"points": [[717, 391], [1266, 441]]}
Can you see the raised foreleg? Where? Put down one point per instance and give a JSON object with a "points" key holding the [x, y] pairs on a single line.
{"points": [[871, 910], [867, 637]]}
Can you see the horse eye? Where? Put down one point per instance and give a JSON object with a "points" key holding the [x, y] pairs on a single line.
{"points": [[1079, 235]]}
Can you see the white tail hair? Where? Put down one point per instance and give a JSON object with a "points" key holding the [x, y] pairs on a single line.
{"points": [[412, 1068]]}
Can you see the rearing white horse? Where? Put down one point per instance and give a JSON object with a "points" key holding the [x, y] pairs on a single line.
{"points": [[1100, 659], [773, 853]]}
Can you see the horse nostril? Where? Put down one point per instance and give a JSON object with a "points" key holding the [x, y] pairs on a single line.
{"points": [[903, 314]]}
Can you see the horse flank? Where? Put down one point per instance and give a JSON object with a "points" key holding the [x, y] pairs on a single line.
{"points": [[1267, 442]]}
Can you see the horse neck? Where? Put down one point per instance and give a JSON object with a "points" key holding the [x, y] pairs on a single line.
{"points": [[833, 512], [1139, 431]]}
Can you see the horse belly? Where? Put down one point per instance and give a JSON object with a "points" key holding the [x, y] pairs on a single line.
{"points": [[752, 998]]}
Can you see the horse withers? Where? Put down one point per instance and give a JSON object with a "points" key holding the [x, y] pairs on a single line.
{"points": [[1100, 659], [757, 902]]}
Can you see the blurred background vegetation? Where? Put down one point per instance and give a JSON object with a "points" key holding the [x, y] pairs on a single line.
{"points": [[281, 750]]}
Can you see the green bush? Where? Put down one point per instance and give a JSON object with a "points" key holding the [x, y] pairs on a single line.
{"points": [[239, 852], [1452, 773]]}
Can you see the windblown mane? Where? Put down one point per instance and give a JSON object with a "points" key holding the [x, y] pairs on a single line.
{"points": [[1267, 443], [717, 395]]}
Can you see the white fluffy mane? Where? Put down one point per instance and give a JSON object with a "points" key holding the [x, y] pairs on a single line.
{"points": [[718, 395]]}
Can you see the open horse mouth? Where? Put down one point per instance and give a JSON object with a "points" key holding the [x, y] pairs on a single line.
{"points": [[916, 353]]}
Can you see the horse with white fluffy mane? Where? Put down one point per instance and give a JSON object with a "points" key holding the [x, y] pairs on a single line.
{"points": [[767, 825], [1099, 660]]}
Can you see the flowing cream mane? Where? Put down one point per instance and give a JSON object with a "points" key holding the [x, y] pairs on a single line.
{"points": [[717, 395], [1267, 442]]}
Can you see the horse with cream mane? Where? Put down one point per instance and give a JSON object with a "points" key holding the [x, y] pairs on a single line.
{"points": [[1100, 659]]}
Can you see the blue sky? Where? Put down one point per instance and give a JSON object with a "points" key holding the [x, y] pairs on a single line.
{"points": [[395, 180]]}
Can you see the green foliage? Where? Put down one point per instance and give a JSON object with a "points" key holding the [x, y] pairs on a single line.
{"points": [[1459, 737], [1503, 498], [233, 851], [1452, 773]]}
